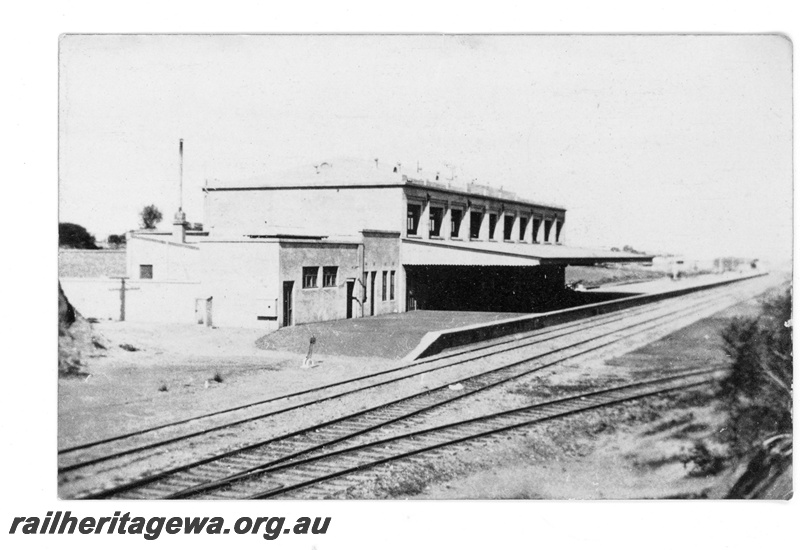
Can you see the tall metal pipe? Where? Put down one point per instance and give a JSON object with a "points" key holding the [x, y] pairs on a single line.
{"points": [[180, 188]]}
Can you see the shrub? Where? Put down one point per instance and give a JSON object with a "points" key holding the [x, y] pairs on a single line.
{"points": [[72, 235], [757, 393], [703, 461]]}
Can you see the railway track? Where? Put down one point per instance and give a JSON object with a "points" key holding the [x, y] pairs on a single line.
{"points": [[88, 454], [320, 476], [410, 411], [81, 455]]}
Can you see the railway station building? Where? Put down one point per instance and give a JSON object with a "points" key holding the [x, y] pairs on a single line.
{"points": [[354, 239]]}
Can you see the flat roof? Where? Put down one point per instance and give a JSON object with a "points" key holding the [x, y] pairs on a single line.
{"points": [[425, 252], [349, 173]]}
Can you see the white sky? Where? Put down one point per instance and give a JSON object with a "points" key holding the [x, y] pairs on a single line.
{"points": [[666, 143]]}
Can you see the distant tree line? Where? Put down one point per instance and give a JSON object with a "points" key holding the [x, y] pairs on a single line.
{"points": [[117, 241], [72, 235], [627, 248]]}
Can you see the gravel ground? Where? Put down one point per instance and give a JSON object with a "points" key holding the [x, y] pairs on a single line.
{"points": [[123, 392], [172, 376]]}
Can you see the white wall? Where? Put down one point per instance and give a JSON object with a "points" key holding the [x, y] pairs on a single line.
{"points": [[170, 261], [242, 278], [93, 297], [147, 301], [343, 211], [161, 301]]}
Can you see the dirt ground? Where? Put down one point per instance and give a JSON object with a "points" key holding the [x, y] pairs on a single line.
{"points": [[177, 371], [636, 451]]}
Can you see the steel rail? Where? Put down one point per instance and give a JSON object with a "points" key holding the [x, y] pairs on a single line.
{"points": [[517, 344], [446, 355], [575, 404], [382, 409]]}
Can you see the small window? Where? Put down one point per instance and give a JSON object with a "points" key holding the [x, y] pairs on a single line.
{"points": [[310, 277], [508, 227], [391, 285], [145, 271], [436, 221], [455, 222], [364, 287], [383, 290], [412, 220], [475, 220], [523, 225], [548, 224], [535, 229], [329, 276], [559, 227]]}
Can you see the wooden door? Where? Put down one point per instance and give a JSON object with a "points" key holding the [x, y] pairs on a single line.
{"points": [[288, 287]]}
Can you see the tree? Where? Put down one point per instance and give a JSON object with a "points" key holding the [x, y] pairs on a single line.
{"points": [[117, 241], [150, 216], [72, 235]]}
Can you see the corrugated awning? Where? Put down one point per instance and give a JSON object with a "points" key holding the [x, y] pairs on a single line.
{"points": [[425, 252]]}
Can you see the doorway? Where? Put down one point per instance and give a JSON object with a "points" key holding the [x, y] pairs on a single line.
{"points": [[288, 286], [350, 286], [372, 292]]}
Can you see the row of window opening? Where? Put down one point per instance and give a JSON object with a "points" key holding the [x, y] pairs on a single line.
{"points": [[387, 287], [330, 273], [311, 276], [436, 219]]}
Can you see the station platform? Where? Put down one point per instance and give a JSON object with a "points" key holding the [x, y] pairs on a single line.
{"points": [[399, 335], [389, 336]]}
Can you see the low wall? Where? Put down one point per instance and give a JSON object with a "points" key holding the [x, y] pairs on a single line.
{"points": [[438, 341], [93, 297], [149, 301], [161, 301], [92, 264]]}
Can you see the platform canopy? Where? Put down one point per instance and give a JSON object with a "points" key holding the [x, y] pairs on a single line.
{"points": [[419, 252]]}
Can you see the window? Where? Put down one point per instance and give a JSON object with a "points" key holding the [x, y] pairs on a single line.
{"points": [[455, 222], [548, 224], [391, 285], [523, 225], [436, 221], [329, 276], [412, 221], [535, 229], [145, 271], [383, 290], [508, 227], [492, 225], [475, 219], [310, 277], [559, 227], [364, 287]]}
